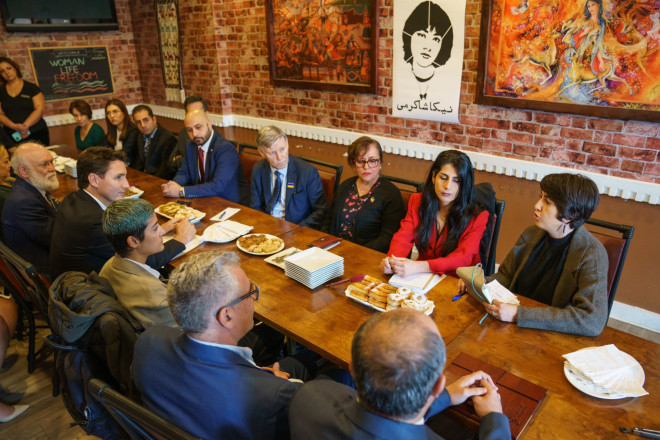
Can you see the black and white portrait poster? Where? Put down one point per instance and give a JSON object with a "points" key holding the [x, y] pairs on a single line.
{"points": [[428, 59]]}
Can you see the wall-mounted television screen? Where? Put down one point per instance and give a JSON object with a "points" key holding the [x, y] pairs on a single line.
{"points": [[58, 15]]}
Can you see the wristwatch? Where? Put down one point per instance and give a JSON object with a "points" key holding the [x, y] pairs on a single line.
{"points": [[182, 193]]}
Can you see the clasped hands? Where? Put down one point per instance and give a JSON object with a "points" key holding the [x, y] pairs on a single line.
{"points": [[403, 267], [171, 189], [502, 311], [480, 387], [185, 231]]}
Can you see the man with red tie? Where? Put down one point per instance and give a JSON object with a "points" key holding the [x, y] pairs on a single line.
{"points": [[211, 166]]}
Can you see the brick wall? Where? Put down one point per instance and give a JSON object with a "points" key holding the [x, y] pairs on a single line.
{"points": [[225, 59], [121, 49], [627, 149]]}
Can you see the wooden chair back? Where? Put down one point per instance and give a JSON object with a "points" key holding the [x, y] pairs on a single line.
{"points": [[616, 247]]}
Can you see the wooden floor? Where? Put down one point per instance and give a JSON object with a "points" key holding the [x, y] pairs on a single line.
{"points": [[48, 419]]}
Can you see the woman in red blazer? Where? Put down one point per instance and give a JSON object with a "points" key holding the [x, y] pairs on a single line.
{"points": [[447, 204]]}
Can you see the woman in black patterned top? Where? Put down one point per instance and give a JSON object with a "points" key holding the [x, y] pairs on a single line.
{"points": [[368, 208], [21, 106]]}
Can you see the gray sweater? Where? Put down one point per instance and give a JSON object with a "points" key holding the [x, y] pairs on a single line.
{"points": [[579, 304]]}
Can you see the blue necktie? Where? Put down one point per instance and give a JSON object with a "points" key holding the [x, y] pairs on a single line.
{"points": [[275, 196]]}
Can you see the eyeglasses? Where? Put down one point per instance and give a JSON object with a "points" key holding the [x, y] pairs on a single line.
{"points": [[371, 162], [254, 289]]}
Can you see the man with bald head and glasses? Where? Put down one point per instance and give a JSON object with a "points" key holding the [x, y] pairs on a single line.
{"points": [[29, 212], [201, 379]]}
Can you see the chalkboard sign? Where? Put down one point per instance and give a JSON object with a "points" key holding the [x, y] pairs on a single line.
{"points": [[72, 72]]}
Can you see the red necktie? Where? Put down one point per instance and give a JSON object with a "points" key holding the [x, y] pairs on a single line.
{"points": [[200, 162]]}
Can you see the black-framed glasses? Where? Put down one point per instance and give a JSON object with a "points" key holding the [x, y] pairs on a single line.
{"points": [[371, 162], [254, 290]]}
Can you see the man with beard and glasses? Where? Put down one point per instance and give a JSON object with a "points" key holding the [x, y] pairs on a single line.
{"points": [[211, 166], [29, 212]]}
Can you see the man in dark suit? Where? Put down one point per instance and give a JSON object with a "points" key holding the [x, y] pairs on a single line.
{"points": [[78, 241], [211, 166], [397, 362], [154, 146], [223, 393], [176, 157], [29, 212], [285, 186]]}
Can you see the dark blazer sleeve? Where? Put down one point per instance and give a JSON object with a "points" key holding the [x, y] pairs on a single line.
{"points": [[224, 175], [258, 190], [130, 143], [316, 203], [166, 145], [172, 249], [305, 199]]}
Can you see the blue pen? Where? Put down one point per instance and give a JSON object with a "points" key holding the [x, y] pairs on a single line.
{"points": [[459, 296], [482, 319], [222, 215]]}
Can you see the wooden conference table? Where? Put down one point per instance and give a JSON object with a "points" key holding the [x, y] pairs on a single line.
{"points": [[325, 320]]}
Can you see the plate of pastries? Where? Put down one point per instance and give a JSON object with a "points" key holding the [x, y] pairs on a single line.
{"points": [[383, 297], [173, 210], [260, 244]]}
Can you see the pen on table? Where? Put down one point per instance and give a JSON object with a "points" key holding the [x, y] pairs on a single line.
{"points": [[222, 215], [482, 319], [459, 296]]}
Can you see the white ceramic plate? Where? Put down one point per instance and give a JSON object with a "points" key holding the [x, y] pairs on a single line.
{"points": [[138, 192], [198, 215], [257, 253], [278, 258], [591, 389]]}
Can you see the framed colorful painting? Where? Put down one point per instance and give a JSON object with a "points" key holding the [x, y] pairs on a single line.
{"points": [[592, 57], [323, 45]]}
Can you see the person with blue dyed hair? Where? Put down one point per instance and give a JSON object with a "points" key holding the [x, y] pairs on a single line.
{"points": [[133, 231]]}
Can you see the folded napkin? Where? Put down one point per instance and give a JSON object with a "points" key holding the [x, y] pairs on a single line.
{"points": [[225, 231], [224, 214], [608, 369]]}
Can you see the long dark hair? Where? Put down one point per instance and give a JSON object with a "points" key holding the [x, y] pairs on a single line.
{"points": [[461, 211], [112, 130]]}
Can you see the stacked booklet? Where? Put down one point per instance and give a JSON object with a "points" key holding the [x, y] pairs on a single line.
{"points": [[605, 372], [313, 267]]}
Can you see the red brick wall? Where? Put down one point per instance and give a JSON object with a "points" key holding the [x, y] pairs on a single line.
{"points": [[232, 34], [121, 49]]}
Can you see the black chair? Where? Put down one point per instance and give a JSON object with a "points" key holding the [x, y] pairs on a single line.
{"points": [[489, 264], [138, 422], [617, 249], [249, 156], [330, 179], [28, 289], [406, 186]]}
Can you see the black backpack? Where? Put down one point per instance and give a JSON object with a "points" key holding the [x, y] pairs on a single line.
{"points": [[74, 367]]}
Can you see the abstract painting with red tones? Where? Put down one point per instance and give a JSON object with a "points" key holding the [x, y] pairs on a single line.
{"points": [[600, 55]]}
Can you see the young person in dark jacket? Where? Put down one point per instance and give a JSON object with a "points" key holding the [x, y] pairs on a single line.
{"points": [[368, 208]]}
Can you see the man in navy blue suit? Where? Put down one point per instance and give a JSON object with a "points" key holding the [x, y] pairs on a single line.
{"points": [[211, 166], [285, 186], [29, 212], [397, 363], [199, 378]]}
